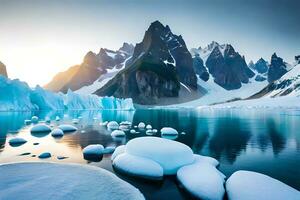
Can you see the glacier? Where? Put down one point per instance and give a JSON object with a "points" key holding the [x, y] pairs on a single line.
{"points": [[18, 96]]}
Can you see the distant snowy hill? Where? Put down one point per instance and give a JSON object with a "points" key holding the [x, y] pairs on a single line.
{"points": [[91, 70], [20, 97]]}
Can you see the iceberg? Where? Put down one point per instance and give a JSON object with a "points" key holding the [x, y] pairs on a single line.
{"points": [[40, 128], [63, 181], [247, 185], [160, 150], [93, 150], [118, 133], [45, 155], [138, 166], [17, 141], [20, 97], [202, 180], [168, 131], [112, 125], [67, 128], [57, 132]]}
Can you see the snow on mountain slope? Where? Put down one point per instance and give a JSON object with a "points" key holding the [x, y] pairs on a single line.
{"points": [[102, 80], [288, 84], [217, 94]]}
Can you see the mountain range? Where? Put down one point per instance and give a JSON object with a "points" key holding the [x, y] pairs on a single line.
{"points": [[161, 70]]}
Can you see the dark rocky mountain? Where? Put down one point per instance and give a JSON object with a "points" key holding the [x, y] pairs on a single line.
{"points": [[160, 63], [261, 66], [277, 68], [228, 67], [92, 67], [3, 71], [199, 68], [297, 59]]}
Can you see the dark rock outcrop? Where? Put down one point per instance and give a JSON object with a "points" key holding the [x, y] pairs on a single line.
{"points": [[228, 67], [158, 65], [277, 68], [199, 68], [261, 66], [3, 71], [297, 58]]}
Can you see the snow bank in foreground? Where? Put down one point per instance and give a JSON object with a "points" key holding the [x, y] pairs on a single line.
{"points": [[247, 185], [202, 180], [62, 181]]}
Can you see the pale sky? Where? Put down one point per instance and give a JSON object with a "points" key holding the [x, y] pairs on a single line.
{"points": [[39, 38]]}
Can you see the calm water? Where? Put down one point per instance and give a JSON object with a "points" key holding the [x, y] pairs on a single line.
{"points": [[266, 141]]}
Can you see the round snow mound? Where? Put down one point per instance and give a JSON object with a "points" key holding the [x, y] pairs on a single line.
{"points": [[40, 128], [93, 149], [171, 155], [34, 119], [113, 125], [67, 128], [74, 181], [17, 141], [247, 185], [168, 131], [141, 125], [118, 133], [57, 132]]}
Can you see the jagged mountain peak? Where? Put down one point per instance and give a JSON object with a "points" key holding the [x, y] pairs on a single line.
{"points": [[297, 59], [3, 70]]}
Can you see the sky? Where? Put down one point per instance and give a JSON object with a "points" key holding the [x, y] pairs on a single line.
{"points": [[39, 38]]}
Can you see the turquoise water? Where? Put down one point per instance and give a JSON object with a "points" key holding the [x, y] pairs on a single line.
{"points": [[266, 141]]}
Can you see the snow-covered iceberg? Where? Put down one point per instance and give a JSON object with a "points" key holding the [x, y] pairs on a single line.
{"points": [[247, 185], [63, 181]]}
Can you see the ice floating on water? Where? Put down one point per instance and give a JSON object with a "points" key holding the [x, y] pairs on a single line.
{"points": [[113, 125], [141, 125], [118, 151], [138, 166], [150, 132], [127, 123], [47, 120], [148, 126], [124, 127], [109, 150], [103, 123], [17, 141], [203, 181], [57, 132], [40, 128], [118, 133], [168, 131], [133, 131], [206, 159], [160, 150], [63, 181], [34, 119], [67, 128], [75, 121], [247, 185], [45, 155], [27, 121], [57, 118], [93, 149]]}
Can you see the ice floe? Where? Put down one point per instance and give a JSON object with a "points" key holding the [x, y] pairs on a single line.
{"points": [[63, 181], [247, 185], [202, 180], [45, 155], [17, 141], [138, 166], [40, 128], [118, 133], [168, 131], [67, 128], [160, 150], [57, 132], [34, 119], [112, 125], [141, 125]]}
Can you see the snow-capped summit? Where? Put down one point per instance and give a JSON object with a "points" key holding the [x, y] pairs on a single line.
{"points": [[93, 67], [160, 64], [277, 68]]}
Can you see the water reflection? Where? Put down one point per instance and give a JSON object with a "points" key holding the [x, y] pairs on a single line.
{"points": [[239, 139]]}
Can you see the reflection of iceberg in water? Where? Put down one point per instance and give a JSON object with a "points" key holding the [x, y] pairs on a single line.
{"points": [[11, 122]]}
